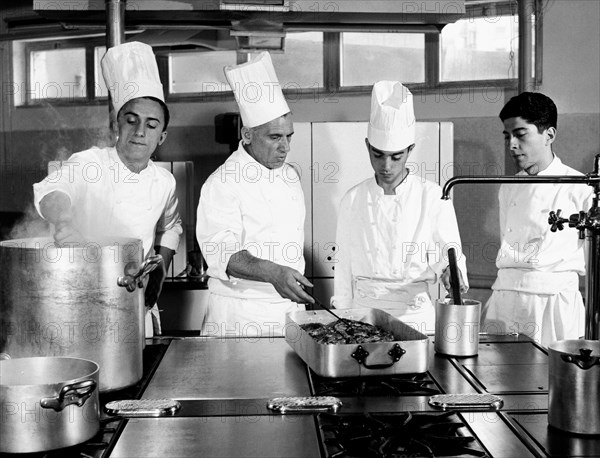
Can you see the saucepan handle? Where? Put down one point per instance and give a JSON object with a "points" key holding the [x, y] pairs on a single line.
{"points": [[584, 360], [360, 355], [136, 279], [73, 393]]}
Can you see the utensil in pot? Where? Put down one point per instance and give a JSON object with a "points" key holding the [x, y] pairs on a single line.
{"points": [[454, 282], [349, 323]]}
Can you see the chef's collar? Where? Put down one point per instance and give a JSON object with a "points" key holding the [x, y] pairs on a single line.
{"points": [[126, 171], [378, 191], [253, 170], [554, 168]]}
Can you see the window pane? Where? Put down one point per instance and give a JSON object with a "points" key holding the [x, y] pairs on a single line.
{"points": [[301, 66], [199, 71], [371, 57], [100, 88], [480, 49], [58, 74]]}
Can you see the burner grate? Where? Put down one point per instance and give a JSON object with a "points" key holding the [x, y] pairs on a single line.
{"points": [[397, 435], [418, 384]]}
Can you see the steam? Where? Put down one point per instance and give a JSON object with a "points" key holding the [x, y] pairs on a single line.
{"points": [[30, 225]]}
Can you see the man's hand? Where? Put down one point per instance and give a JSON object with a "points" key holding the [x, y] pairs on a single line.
{"points": [[445, 279], [288, 283], [65, 233], [154, 286]]}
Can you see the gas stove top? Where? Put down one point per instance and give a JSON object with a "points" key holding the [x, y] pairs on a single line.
{"points": [[389, 385], [398, 435]]}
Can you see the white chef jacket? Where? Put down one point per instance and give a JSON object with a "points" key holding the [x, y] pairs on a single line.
{"points": [[530, 254], [246, 206], [108, 199], [392, 247], [536, 292]]}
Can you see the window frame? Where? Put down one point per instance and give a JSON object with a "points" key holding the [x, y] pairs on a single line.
{"points": [[332, 59], [89, 44]]}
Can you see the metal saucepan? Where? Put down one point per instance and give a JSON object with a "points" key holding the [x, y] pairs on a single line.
{"points": [[80, 300], [47, 403], [574, 386]]}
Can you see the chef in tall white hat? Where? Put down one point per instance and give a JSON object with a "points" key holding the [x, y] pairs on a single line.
{"points": [[393, 229], [118, 191], [250, 223]]}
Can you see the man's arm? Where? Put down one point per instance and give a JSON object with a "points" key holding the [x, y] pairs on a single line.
{"points": [[157, 277], [56, 208], [286, 281]]}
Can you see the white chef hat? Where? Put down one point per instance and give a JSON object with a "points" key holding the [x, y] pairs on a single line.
{"points": [[392, 124], [257, 90], [130, 71]]}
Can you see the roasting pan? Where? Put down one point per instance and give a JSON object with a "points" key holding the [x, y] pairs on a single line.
{"points": [[407, 354]]}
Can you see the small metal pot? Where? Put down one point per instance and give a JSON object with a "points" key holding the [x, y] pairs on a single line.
{"points": [[574, 386], [47, 403]]}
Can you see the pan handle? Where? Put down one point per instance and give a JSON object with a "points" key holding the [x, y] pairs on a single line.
{"points": [[584, 360], [360, 355], [135, 279], [74, 393]]}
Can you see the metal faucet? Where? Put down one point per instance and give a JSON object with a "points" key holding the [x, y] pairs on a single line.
{"points": [[587, 223]]}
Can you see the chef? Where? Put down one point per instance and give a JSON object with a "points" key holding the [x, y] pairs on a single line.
{"points": [[118, 191], [536, 292], [250, 224], [393, 230]]}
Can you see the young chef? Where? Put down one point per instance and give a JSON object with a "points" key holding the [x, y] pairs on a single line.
{"points": [[119, 191], [537, 289], [251, 213], [393, 229]]}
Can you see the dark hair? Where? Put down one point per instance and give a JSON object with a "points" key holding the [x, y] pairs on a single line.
{"points": [[162, 104], [533, 107]]}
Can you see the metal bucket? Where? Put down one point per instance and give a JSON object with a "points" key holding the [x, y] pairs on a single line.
{"points": [[457, 327], [574, 386], [68, 302], [47, 403]]}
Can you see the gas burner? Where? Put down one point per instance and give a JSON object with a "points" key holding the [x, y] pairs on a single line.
{"points": [[389, 385], [397, 435]]}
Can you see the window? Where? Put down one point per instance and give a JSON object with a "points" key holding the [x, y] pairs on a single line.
{"points": [[199, 71], [371, 57], [57, 74], [480, 49], [302, 64]]}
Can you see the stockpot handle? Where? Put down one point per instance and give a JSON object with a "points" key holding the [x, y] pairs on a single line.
{"points": [[73, 393], [584, 360], [360, 355], [136, 279]]}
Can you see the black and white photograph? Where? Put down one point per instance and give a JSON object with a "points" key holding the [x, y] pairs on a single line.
{"points": [[299, 228]]}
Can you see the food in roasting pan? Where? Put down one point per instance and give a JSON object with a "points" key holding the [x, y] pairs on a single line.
{"points": [[347, 332]]}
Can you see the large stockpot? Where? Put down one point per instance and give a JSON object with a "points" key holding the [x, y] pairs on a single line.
{"points": [[82, 300], [47, 403], [574, 386]]}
